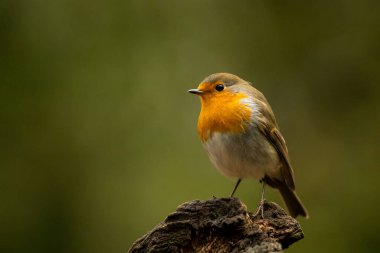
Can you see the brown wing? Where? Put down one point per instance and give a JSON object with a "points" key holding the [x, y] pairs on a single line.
{"points": [[268, 127], [275, 138]]}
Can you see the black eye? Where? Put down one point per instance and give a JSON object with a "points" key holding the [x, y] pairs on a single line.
{"points": [[219, 87]]}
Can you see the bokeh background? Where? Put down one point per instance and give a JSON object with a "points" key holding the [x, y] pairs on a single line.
{"points": [[98, 134]]}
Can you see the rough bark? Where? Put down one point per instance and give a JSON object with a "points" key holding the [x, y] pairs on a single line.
{"points": [[221, 225]]}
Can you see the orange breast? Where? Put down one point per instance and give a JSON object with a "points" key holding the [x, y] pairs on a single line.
{"points": [[222, 113]]}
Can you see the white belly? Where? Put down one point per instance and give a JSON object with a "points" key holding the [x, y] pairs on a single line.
{"points": [[247, 155]]}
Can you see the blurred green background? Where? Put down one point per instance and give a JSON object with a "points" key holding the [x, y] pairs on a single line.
{"points": [[98, 134]]}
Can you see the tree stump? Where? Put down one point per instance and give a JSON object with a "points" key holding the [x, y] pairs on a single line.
{"points": [[221, 225]]}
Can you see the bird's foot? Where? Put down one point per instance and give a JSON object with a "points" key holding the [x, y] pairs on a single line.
{"points": [[260, 209]]}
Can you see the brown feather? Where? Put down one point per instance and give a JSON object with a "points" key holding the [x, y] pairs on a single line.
{"points": [[275, 138]]}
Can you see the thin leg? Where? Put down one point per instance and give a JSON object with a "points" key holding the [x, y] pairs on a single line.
{"points": [[261, 205], [236, 186]]}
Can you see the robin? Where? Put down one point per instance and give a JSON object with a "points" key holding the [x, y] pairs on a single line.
{"points": [[240, 134]]}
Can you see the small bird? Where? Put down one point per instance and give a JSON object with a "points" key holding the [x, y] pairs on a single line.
{"points": [[240, 134]]}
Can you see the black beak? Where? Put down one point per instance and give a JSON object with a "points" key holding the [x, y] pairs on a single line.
{"points": [[195, 91]]}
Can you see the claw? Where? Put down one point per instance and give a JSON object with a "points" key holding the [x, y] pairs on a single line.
{"points": [[260, 209]]}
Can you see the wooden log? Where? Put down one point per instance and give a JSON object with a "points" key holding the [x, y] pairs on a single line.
{"points": [[221, 225]]}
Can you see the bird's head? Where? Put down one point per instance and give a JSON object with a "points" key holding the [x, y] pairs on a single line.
{"points": [[225, 100], [218, 85]]}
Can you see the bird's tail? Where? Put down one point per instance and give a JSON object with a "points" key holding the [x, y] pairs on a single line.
{"points": [[293, 202]]}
